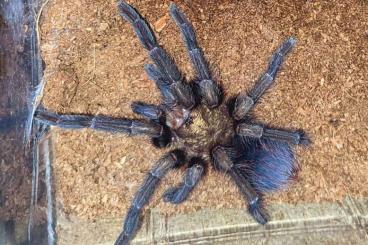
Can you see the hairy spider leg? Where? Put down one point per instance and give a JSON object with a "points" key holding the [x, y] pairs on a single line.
{"points": [[168, 96], [174, 93], [142, 196], [253, 130], [223, 162], [255, 207], [130, 127], [148, 111], [191, 177], [246, 101], [165, 72], [208, 89]]}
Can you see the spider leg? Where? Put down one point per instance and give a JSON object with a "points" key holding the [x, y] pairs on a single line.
{"points": [[116, 125], [222, 160], [165, 72], [208, 88], [191, 177], [170, 160], [148, 111], [255, 207], [257, 131], [246, 101], [154, 74], [176, 113]]}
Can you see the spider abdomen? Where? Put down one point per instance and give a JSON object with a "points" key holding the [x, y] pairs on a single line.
{"points": [[269, 165]]}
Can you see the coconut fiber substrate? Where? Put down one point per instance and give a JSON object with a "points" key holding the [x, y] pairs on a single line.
{"points": [[94, 65]]}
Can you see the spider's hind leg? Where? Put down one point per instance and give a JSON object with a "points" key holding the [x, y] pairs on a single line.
{"points": [[246, 101], [223, 160], [255, 203], [192, 176], [209, 90]]}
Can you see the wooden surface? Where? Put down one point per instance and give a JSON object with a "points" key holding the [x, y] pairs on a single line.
{"points": [[325, 223]]}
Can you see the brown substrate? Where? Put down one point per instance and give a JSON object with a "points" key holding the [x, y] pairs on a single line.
{"points": [[94, 65]]}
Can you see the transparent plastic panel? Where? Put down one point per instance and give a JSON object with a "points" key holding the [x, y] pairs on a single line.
{"points": [[23, 169]]}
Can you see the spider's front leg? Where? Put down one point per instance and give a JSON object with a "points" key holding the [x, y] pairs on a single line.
{"points": [[208, 88], [170, 160], [246, 101], [222, 160], [130, 127], [257, 131], [163, 61], [165, 72], [191, 178]]}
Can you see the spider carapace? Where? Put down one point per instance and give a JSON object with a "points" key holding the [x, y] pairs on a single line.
{"points": [[202, 130]]}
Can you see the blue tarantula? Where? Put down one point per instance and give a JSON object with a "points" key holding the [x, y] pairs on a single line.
{"points": [[198, 128]]}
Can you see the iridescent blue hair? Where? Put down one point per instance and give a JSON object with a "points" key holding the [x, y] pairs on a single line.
{"points": [[268, 165]]}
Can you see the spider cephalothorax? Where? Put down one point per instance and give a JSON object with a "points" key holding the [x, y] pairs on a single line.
{"points": [[204, 129], [198, 128]]}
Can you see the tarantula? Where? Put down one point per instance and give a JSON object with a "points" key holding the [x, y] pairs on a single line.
{"points": [[198, 127]]}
